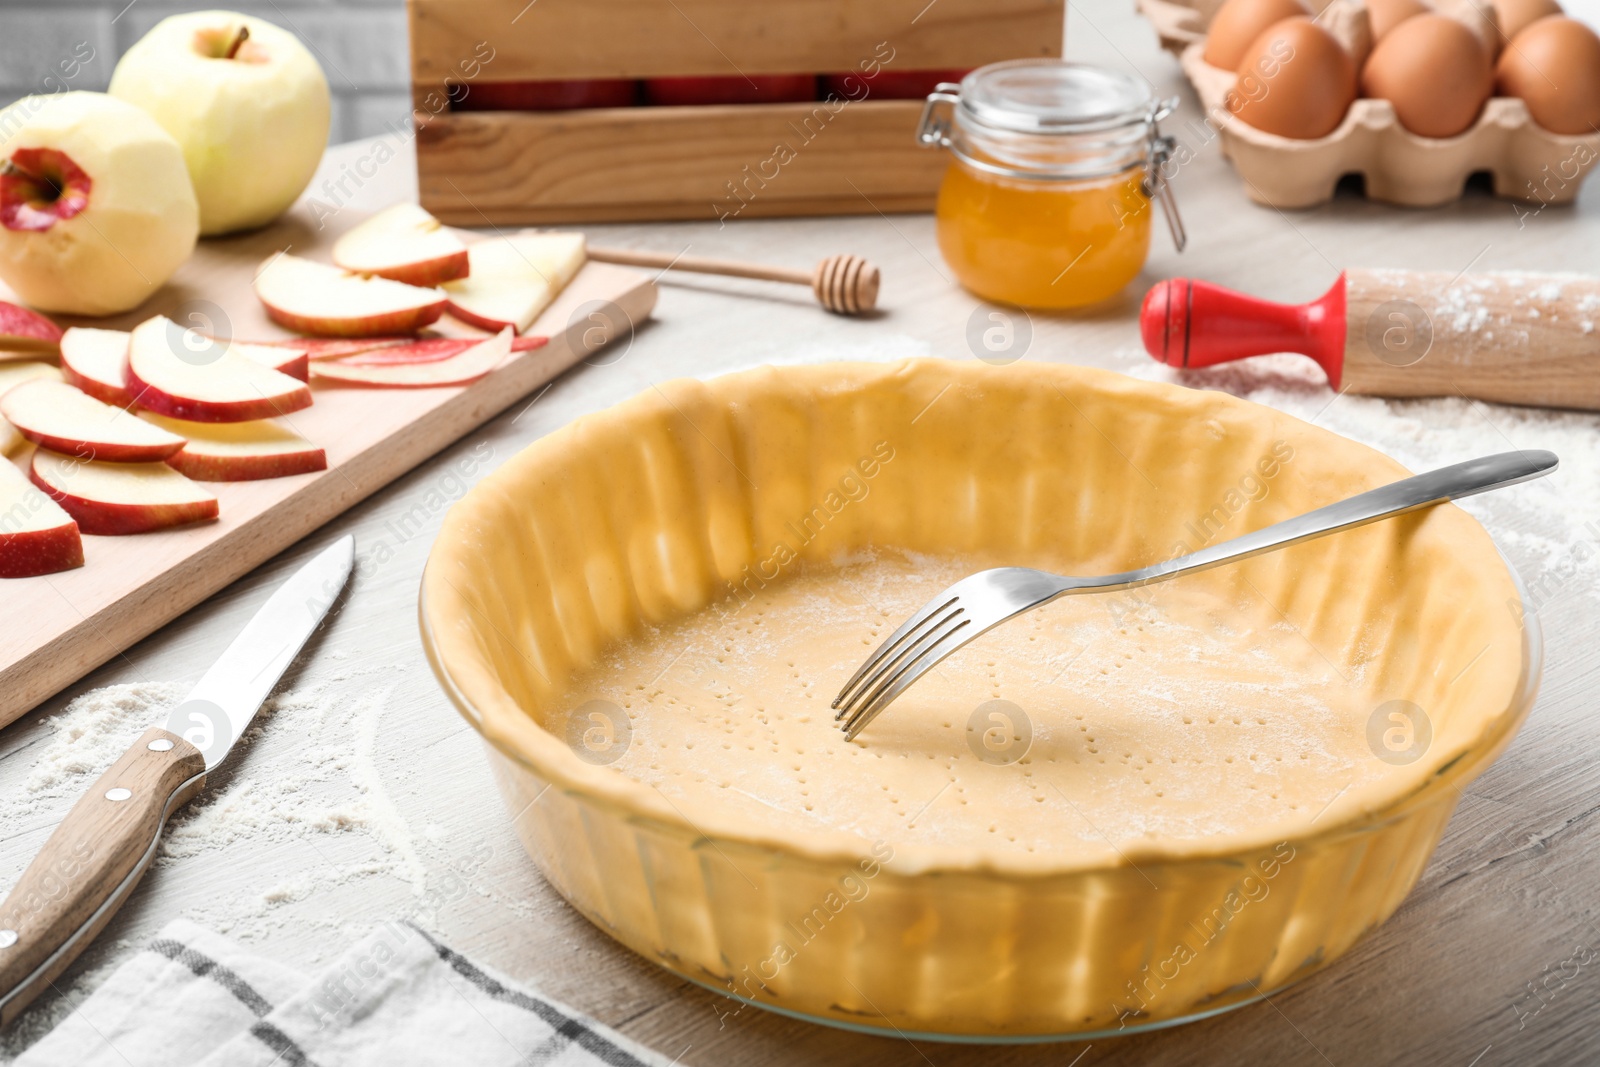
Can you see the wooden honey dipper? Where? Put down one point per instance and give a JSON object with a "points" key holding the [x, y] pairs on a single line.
{"points": [[1513, 338], [844, 284]]}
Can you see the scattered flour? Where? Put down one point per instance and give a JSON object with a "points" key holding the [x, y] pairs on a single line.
{"points": [[330, 787], [1549, 529], [89, 735], [327, 792]]}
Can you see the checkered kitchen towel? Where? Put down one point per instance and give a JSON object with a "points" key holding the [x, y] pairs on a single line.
{"points": [[399, 997]]}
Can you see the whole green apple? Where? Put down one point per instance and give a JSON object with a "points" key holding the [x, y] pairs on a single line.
{"points": [[95, 206], [246, 101]]}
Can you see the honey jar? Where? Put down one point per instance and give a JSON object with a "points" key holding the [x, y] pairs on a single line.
{"points": [[1054, 169]]}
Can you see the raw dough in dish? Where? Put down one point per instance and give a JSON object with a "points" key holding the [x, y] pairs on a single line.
{"points": [[1173, 712], [697, 570], [606, 549]]}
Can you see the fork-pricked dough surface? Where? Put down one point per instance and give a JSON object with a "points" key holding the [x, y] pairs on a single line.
{"points": [[1175, 713]]}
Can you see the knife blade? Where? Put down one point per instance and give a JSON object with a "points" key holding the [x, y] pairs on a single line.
{"points": [[91, 863]]}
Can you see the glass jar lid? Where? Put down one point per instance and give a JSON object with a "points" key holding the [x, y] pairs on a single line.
{"points": [[1049, 96]]}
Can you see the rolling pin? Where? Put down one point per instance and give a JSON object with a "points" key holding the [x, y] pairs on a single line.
{"points": [[1513, 338]]}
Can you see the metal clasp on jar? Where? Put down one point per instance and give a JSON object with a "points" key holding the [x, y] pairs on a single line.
{"points": [[1156, 185], [933, 129]]}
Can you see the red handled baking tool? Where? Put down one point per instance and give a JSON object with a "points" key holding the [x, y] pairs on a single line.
{"points": [[1514, 338]]}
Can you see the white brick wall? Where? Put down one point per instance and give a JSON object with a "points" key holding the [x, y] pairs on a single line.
{"points": [[361, 45]]}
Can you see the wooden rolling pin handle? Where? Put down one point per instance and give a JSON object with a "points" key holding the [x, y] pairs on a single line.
{"points": [[847, 285], [1512, 337]]}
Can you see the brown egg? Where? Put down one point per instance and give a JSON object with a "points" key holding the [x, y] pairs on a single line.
{"points": [[1434, 71], [1480, 17], [1294, 80], [1387, 14], [1554, 66], [1517, 15], [1238, 22]]}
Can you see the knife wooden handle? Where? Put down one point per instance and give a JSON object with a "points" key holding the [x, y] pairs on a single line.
{"points": [[1514, 338], [91, 863]]}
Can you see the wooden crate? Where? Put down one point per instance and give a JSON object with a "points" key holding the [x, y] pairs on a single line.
{"points": [[718, 161]]}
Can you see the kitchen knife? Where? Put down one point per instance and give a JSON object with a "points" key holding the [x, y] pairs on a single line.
{"points": [[92, 862], [1513, 337]]}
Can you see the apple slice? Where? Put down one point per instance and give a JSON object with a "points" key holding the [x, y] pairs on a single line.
{"points": [[459, 369], [403, 243], [431, 350], [186, 375], [295, 362], [121, 498], [11, 376], [96, 361], [422, 350], [336, 347], [56, 416], [22, 330], [14, 374], [240, 451], [514, 278], [36, 535], [314, 298]]}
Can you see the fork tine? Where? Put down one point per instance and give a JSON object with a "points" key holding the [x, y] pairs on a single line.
{"points": [[930, 635], [925, 633], [937, 604], [897, 683], [867, 708]]}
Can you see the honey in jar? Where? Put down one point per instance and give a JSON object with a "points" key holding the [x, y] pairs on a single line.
{"points": [[1047, 200]]}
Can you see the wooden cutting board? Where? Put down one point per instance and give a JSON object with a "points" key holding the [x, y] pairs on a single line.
{"points": [[55, 629]]}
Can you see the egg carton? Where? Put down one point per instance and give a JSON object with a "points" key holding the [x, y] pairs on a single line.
{"points": [[1526, 161]]}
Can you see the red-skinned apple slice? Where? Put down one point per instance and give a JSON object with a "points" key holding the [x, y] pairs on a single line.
{"points": [[96, 361], [11, 376], [318, 299], [186, 375], [14, 374], [423, 350], [121, 498], [22, 330], [295, 362], [36, 535], [459, 369], [336, 347], [514, 278], [431, 350], [405, 244], [56, 416], [240, 451]]}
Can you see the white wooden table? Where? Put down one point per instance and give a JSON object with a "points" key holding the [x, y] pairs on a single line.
{"points": [[1508, 906]]}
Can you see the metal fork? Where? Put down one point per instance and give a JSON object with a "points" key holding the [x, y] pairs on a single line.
{"points": [[982, 601]]}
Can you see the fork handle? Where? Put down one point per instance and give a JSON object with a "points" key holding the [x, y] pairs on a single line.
{"points": [[1419, 491]]}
